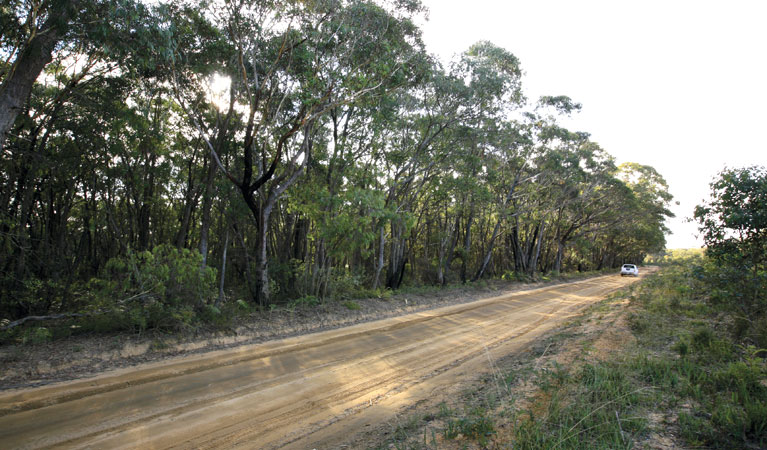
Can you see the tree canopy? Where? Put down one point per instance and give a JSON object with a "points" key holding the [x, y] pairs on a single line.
{"points": [[734, 227], [162, 161]]}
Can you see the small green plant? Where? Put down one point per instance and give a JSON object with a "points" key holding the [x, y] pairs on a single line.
{"points": [[478, 426], [352, 305], [164, 288], [159, 345], [682, 347], [702, 338], [38, 335], [638, 323], [517, 276], [444, 411], [307, 301], [452, 430]]}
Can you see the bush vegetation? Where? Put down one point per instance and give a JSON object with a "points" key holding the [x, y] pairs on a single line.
{"points": [[317, 172], [698, 360], [694, 363]]}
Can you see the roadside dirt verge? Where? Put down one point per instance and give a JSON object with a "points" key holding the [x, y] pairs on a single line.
{"points": [[84, 356]]}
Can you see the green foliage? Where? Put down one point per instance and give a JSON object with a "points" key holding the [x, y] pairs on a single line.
{"points": [[597, 405], [683, 359], [34, 296], [685, 363], [516, 276], [345, 284], [305, 302], [477, 426], [638, 323], [696, 359], [682, 347], [165, 288], [340, 148], [677, 256], [36, 335], [165, 274], [734, 227], [352, 305]]}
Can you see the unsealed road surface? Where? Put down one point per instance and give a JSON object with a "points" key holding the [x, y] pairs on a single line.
{"points": [[312, 391]]}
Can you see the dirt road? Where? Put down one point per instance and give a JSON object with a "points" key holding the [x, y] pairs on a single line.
{"points": [[313, 391]]}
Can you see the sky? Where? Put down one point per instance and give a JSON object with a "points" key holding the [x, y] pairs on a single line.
{"points": [[678, 85]]}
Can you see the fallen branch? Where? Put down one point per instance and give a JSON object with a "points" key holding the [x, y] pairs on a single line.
{"points": [[16, 323], [139, 296]]}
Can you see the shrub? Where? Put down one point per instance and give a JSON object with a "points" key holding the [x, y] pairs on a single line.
{"points": [[477, 425], [165, 288], [638, 323], [352, 305], [36, 335], [306, 301]]}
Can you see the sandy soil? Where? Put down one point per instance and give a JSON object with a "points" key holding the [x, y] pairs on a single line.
{"points": [[25, 366], [320, 390]]}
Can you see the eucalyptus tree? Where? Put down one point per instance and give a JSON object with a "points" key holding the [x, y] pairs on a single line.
{"points": [[644, 227], [85, 177], [416, 147], [493, 76], [68, 69], [293, 63], [511, 159], [635, 226], [526, 196], [587, 200], [327, 220], [35, 33], [29, 38]]}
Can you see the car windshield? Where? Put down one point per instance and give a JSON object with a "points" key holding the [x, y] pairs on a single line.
{"points": [[628, 266]]}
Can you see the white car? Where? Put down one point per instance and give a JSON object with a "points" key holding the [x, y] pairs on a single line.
{"points": [[629, 269]]}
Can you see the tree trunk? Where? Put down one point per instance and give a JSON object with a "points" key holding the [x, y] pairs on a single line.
{"points": [[23, 235], [441, 263], [396, 257], [467, 244], [207, 205], [489, 253], [220, 298], [191, 198], [536, 254], [262, 262], [560, 254], [451, 251], [516, 250], [248, 273], [145, 210], [496, 229], [31, 61], [380, 260]]}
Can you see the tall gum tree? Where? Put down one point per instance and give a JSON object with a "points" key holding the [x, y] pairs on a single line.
{"points": [[294, 62], [493, 76], [33, 33]]}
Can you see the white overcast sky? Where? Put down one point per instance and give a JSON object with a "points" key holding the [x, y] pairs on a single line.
{"points": [[678, 85]]}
